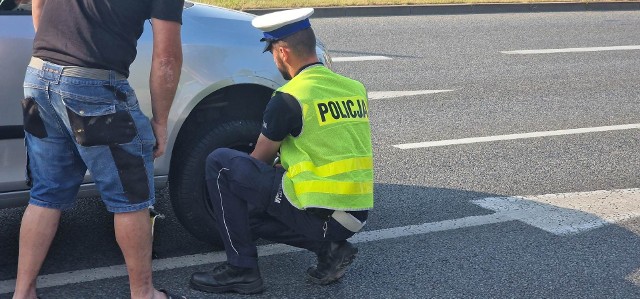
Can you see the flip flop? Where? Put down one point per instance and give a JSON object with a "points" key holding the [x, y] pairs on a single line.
{"points": [[172, 295]]}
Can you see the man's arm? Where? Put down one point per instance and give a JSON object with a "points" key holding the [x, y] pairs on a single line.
{"points": [[36, 11], [266, 149], [165, 74]]}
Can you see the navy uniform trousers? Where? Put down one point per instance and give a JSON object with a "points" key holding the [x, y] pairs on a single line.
{"points": [[249, 203]]}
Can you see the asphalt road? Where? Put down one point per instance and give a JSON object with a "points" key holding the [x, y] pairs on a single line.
{"points": [[492, 93]]}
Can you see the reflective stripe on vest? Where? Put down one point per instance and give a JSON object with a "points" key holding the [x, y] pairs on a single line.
{"points": [[331, 169], [345, 188]]}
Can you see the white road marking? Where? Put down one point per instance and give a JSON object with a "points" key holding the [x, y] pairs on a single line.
{"points": [[568, 213], [516, 136], [634, 277], [425, 228], [560, 214], [379, 95], [573, 50], [359, 58]]}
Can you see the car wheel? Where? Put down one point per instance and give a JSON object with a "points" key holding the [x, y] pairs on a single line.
{"points": [[187, 186]]}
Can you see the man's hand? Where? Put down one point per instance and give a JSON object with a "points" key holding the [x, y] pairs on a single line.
{"points": [[160, 131]]}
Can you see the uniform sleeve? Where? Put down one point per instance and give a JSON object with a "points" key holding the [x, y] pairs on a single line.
{"points": [[282, 117], [168, 10]]}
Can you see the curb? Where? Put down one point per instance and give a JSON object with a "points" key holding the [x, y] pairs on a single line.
{"points": [[455, 9]]}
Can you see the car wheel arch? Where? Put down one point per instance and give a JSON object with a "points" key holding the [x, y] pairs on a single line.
{"points": [[233, 114], [245, 101]]}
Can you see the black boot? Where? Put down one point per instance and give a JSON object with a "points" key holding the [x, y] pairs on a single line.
{"points": [[228, 278], [332, 262]]}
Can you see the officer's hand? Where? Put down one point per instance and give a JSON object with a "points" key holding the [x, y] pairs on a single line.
{"points": [[160, 131]]}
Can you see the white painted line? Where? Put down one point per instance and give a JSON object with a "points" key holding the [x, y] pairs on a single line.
{"points": [[432, 227], [573, 50], [516, 136], [86, 275], [634, 277], [560, 214], [379, 95], [568, 213], [359, 58]]}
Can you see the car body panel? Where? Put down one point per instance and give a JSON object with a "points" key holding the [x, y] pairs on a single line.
{"points": [[237, 58], [15, 51]]}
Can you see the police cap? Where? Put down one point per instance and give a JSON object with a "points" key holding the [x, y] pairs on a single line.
{"points": [[280, 24]]}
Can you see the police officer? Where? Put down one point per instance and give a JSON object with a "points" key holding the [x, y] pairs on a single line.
{"points": [[321, 193]]}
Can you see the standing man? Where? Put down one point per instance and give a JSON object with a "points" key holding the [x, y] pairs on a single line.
{"points": [[321, 194], [80, 113]]}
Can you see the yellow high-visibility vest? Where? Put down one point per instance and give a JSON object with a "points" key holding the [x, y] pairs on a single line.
{"points": [[330, 164]]}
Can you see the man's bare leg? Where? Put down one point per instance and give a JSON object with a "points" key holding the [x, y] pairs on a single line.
{"points": [[133, 233], [39, 226]]}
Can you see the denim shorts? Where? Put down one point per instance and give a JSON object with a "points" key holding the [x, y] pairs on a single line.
{"points": [[77, 124]]}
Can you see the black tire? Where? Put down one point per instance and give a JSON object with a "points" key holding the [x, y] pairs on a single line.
{"points": [[189, 198]]}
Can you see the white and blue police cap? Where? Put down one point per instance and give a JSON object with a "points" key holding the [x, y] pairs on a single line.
{"points": [[280, 24]]}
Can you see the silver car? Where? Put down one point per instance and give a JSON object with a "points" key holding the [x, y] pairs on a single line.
{"points": [[225, 85]]}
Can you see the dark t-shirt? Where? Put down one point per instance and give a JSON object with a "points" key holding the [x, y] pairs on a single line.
{"points": [[282, 117], [99, 34]]}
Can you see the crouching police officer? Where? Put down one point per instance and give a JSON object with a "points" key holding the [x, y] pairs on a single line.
{"points": [[321, 194]]}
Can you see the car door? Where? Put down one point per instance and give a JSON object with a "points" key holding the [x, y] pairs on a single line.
{"points": [[16, 38]]}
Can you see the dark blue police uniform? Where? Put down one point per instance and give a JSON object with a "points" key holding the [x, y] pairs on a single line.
{"points": [[247, 193]]}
